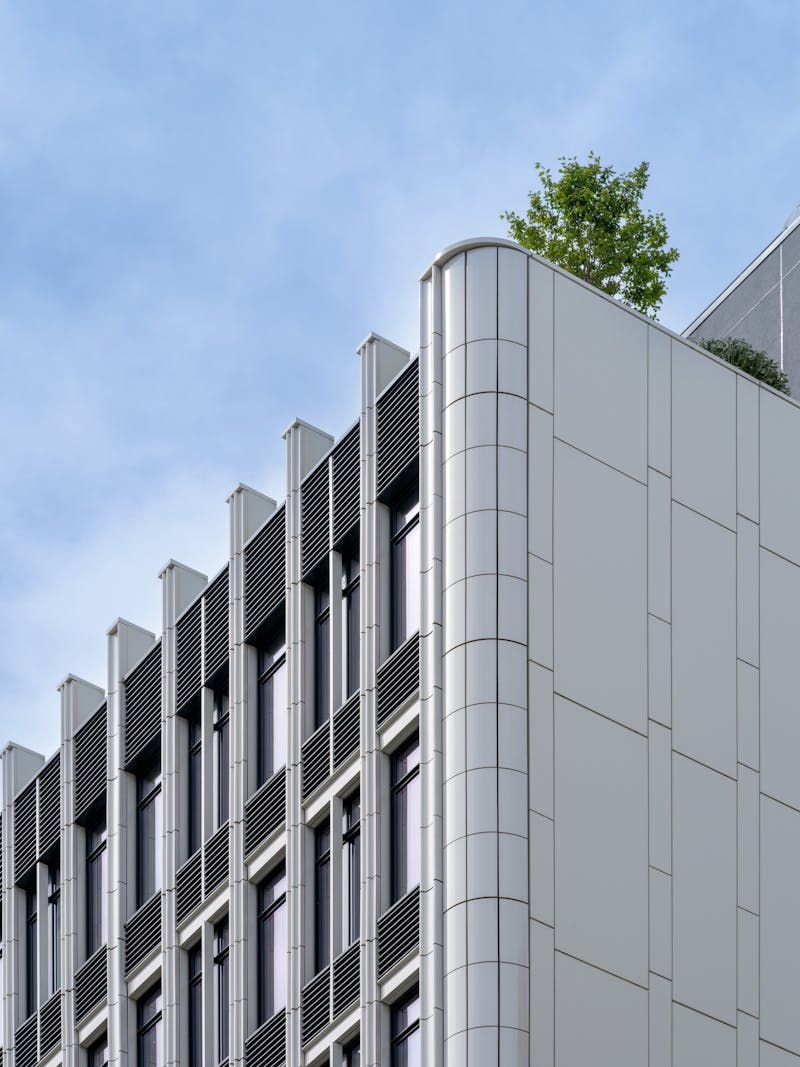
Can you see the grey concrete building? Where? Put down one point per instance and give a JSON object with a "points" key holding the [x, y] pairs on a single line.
{"points": [[480, 749], [762, 304]]}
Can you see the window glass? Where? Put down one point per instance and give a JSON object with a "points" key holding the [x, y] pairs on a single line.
{"points": [[54, 929], [195, 783], [222, 1013], [195, 1006], [322, 672], [222, 735], [405, 817], [272, 709], [405, 574], [98, 1053], [406, 1050], [272, 945], [150, 1051], [351, 1054], [96, 885], [322, 896], [31, 953], [351, 869], [148, 835], [352, 625]]}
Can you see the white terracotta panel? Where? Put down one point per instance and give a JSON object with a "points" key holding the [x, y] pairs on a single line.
{"points": [[699, 1041], [659, 400], [541, 760], [771, 1056], [747, 434], [704, 640], [703, 435], [512, 295], [540, 491], [601, 888], [780, 476], [542, 1013], [748, 838], [660, 923], [481, 293], [660, 670], [453, 275], [748, 962], [780, 924], [600, 1019], [659, 745], [481, 367], [540, 296], [704, 889], [747, 702], [659, 511], [660, 1022], [600, 588], [747, 563], [600, 378], [780, 722]]}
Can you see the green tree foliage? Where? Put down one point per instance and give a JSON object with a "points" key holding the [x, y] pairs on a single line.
{"points": [[741, 354], [589, 220]]}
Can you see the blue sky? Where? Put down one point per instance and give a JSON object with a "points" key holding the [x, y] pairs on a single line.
{"points": [[204, 208]]}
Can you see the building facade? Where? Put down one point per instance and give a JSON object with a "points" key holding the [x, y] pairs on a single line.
{"points": [[480, 749], [762, 304]]}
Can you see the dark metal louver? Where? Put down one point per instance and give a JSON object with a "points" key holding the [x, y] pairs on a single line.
{"points": [[50, 806], [90, 761], [267, 1046], [215, 626], [316, 1005], [398, 678], [26, 1043], [316, 757], [346, 730], [398, 932], [264, 573], [265, 811], [189, 886], [346, 484], [50, 1025], [398, 427], [314, 521], [143, 705], [142, 932], [215, 860], [25, 832], [346, 979], [189, 652], [91, 983]]}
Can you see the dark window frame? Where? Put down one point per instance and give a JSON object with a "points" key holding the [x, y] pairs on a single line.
{"points": [[222, 742], [97, 1053], [400, 783], [222, 989], [351, 868], [351, 1053], [322, 896], [351, 595], [145, 1026], [271, 668], [322, 655], [400, 1033], [268, 906], [195, 961], [31, 953], [54, 928], [195, 783], [148, 802], [96, 911], [404, 527]]}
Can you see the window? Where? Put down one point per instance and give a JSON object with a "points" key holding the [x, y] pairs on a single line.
{"points": [[406, 1050], [2, 984], [352, 625], [54, 929], [149, 1042], [272, 709], [405, 819], [351, 869], [196, 1006], [272, 947], [322, 673], [31, 968], [195, 783], [222, 736], [148, 835], [98, 1053], [405, 569], [322, 896], [351, 1054], [96, 875], [221, 952]]}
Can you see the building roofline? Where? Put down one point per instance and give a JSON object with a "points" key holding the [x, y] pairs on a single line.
{"points": [[737, 281]]}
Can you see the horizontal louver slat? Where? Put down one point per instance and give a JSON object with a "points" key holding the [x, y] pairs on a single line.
{"points": [[398, 932], [314, 523], [215, 627], [143, 705], [50, 1025], [91, 983], [346, 484], [215, 860], [189, 886], [264, 573], [25, 832], [346, 979], [316, 1002], [346, 730], [267, 1046], [50, 806], [265, 811], [316, 759], [398, 678], [188, 653], [142, 932], [398, 427], [26, 1043], [90, 761]]}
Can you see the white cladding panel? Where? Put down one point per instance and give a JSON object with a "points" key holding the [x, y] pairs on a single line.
{"points": [[780, 924]]}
